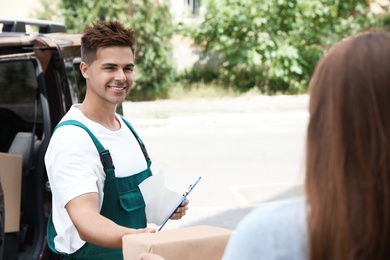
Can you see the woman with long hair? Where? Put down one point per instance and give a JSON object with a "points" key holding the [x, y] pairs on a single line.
{"points": [[348, 151], [346, 211]]}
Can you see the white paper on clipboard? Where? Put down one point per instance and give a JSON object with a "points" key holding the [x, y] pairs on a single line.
{"points": [[185, 195], [161, 202]]}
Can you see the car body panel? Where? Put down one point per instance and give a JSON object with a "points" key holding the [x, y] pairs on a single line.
{"points": [[39, 82]]}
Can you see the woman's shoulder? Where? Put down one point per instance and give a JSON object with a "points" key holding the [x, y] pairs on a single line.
{"points": [[297, 205], [273, 230], [276, 215]]}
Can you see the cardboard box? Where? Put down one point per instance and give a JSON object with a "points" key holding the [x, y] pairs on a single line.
{"points": [[11, 181], [190, 243]]}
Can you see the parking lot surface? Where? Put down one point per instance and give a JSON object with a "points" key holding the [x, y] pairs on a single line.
{"points": [[249, 150]]}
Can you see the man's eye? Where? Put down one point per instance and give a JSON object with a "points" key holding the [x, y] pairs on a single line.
{"points": [[129, 69]]}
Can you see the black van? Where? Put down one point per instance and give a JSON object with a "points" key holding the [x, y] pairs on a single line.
{"points": [[39, 81]]}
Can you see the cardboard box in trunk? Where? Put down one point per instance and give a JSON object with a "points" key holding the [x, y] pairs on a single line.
{"points": [[190, 243], [11, 181]]}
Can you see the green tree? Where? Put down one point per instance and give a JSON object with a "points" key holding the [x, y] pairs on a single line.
{"points": [[153, 25], [274, 45]]}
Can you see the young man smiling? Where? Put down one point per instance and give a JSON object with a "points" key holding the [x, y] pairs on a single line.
{"points": [[95, 160]]}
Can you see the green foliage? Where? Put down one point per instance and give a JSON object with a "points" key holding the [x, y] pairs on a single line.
{"points": [[274, 45], [195, 74], [155, 28], [153, 25], [385, 21]]}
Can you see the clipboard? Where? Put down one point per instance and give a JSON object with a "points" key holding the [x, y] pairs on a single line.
{"points": [[185, 195]]}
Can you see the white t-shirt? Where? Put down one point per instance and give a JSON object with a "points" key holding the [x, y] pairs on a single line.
{"points": [[74, 168]]}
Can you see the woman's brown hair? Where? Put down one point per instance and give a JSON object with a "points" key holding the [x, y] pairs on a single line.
{"points": [[348, 151]]}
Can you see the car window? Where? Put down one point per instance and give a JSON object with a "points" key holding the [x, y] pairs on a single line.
{"points": [[19, 107], [76, 81], [18, 89]]}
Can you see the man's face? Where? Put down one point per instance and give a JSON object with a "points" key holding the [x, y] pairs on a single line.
{"points": [[110, 76]]}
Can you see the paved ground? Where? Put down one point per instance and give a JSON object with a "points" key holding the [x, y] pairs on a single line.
{"points": [[248, 150]]}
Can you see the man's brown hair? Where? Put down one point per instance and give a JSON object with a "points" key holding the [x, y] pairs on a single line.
{"points": [[105, 34], [348, 151]]}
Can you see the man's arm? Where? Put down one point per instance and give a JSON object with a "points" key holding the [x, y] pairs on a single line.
{"points": [[94, 228]]}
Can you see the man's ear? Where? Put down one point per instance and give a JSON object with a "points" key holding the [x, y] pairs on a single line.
{"points": [[84, 69]]}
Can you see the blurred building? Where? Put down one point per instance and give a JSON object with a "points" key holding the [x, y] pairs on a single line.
{"points": [[380, 6], [186, 8], [181, 9], [21, 9]]}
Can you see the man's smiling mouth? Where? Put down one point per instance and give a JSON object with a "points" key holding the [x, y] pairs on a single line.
{"points": [[118, 88]]}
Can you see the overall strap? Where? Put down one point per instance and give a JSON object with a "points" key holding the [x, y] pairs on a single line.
{"points": [[105, 156], [108, 166], [143, 148]]}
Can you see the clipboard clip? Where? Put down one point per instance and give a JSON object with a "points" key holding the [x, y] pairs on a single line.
{"points": [[191, 187]]}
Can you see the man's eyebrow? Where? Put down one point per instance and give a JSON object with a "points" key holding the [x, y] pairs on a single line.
{"points": [[109, 65], [116, 65]]}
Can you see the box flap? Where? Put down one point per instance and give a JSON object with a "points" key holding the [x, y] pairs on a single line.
{"points": [[11, 181], [190, 243]]}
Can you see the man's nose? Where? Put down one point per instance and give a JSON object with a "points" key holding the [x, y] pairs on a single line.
{"points": [[120, 75]]}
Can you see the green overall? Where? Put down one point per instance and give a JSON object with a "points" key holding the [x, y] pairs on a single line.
{"points": [[122, 201]]}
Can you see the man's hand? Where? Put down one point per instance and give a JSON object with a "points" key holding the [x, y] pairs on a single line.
{"points": [[181, 210]]}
